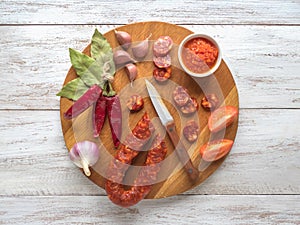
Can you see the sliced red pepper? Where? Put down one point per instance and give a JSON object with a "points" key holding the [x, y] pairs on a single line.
{"points": [[114, 113], [84, 102], [215, 150], [99, 115]]}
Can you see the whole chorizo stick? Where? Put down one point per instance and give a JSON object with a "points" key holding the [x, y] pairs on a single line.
{"points": [[147, 175]]}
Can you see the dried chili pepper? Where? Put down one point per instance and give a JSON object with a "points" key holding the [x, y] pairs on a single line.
{"points": [[99, 115], [84, 102], [114, 113]]}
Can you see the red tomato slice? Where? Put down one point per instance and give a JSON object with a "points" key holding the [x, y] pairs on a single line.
{"points": [[222, 118], [215, 150]]}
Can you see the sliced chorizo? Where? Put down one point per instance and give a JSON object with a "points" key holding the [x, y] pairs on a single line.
{"points": [[180, 96], [162, 46], [210, 102], [191, 131], [191, 106], [162, 61], [135, 103], [126, 153], [162, 74]]}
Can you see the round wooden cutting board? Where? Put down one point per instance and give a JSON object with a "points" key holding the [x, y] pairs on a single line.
{"points": [[221, 83]]}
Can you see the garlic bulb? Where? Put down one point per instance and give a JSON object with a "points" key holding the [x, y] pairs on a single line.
{"points": [[84, 154]]}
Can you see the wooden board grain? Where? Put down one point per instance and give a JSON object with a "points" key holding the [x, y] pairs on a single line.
{"points": [[221, 83]]}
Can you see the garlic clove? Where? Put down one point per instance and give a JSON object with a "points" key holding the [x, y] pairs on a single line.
{"points": [[131, 72], [123, 38], [84, 154], [121, 57], [141, 49]]}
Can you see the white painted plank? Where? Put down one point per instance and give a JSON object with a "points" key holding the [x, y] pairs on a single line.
{"points": [[264, 159], [264, 60], [122, 12], [176, 210]]}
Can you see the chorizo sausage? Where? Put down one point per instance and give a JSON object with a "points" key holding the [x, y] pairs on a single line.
{"points": [[162, 46], [135, 103], [180, 96], [191, 106], [146, 176], [130, 149], [162, 61], [162, 74], [123, 158], [210, 102], [191, 131]]}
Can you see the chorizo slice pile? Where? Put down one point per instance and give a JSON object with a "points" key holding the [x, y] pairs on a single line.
{"points": [[162, 59]]}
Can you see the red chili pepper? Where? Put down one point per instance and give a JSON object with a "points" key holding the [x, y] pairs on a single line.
{"points": [[84, 102], [114, 113], [99, 115]]}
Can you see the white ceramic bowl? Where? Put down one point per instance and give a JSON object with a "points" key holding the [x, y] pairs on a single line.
{"points": [[211, 70]]}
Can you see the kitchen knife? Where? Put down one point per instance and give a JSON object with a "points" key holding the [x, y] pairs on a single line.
{"points": [[168, 122]]}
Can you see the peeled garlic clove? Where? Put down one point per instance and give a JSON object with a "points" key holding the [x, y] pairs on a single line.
{"points": [[141, 49], [121, 57], [123, 38], [84, 154], [131, 71]]}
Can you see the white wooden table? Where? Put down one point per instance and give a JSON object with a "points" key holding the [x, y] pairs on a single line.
{"points": [[259, 183]]}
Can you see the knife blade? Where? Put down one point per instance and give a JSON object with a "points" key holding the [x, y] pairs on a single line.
{"points": [[168, 122]]}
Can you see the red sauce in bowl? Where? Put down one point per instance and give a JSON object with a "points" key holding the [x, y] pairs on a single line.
{"points": [[199, 55]]}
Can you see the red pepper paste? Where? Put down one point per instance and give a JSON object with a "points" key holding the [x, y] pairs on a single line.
{"points": [[199, 55]]}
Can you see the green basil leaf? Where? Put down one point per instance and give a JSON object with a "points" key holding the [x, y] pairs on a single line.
{"points": [[86, 68], [73, 90]]}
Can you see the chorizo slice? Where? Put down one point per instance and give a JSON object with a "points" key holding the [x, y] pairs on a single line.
{"points": [[180, 96], [191, 131], [191, 106], [162, 74], [135, 103], [162, 46], [162, 61], [210, 102]]}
